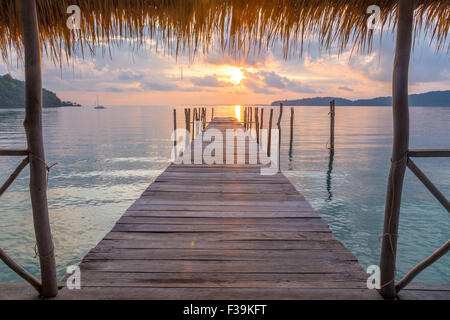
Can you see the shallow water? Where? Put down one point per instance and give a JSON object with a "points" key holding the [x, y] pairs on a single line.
{"points": [[106, 158]]}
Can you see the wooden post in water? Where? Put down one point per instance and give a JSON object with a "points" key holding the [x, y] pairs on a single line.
{"points": [[262, 123], [332, 121], [245, 118], [269, 141], [257, 125], [35, 140], [400, 147], [194, 118], [292, 133], [175, 126], [279, 136]]}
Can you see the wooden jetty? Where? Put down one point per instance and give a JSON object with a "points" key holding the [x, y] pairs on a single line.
{"points": [[220, 232]]}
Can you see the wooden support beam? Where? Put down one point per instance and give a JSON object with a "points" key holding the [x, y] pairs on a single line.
{"points": [[257, 125], [430, 186], [332, 124], [261, 124], [20, 271], [175, 126], [291, 140], [13, 153], [269, 141], [33, 129], [280, 116], [423, 265], [14, 175], [429, 153], [400, 147]]}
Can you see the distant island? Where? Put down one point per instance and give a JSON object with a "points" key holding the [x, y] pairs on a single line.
{"points": [[12, 95], [428, 99]]}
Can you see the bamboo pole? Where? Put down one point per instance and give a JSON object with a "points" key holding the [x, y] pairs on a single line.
{"points": [[245, 118], [14, 175], [428, 184], [212, 114], [257, 125], [291, 140], [175, 126], [399, 149], [13, 153], [422, 266], [194, 119], [20, 271], [250, 117], [262, 123], [279, 136], [332, 123], [269, 141], [33, 129], [429, 153]]}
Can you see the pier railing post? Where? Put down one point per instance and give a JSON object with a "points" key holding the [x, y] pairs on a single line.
{"points": [[280, 116], [291, 140], [332, 123], [261, 123], [269, 141], [400, 147], [175, 126], [35, 140]]}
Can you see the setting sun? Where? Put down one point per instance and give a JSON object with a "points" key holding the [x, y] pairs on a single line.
{"points": [[236, 75]]}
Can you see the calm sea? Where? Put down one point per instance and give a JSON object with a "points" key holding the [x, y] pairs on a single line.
{"points": [[106, 158]]}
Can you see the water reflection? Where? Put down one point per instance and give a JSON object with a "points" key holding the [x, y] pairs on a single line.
{"points": [[107, 159]]}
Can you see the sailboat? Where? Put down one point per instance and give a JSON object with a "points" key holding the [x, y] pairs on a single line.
{"points": [[99, 106]]}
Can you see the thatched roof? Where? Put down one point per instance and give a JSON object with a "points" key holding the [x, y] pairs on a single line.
{"points": [[236, 25]]}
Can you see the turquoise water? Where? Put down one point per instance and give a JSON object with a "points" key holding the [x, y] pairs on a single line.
{"points": [[106, 158]]}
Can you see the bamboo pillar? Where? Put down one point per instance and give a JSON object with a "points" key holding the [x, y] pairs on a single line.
{"points": [[35, 140], [399, 149]]}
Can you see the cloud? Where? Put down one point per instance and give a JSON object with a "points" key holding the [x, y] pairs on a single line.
{"points": [[345, 89], [208, 81], [269, 82], [129, 75]]}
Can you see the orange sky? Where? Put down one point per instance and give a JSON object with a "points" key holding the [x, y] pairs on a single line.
{"points": [[152, 78]]}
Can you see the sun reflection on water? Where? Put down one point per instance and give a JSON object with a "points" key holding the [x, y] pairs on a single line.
{"points": [[238, 113]]}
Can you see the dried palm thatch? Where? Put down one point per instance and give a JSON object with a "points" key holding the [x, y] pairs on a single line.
{"points": [[237, 26]]}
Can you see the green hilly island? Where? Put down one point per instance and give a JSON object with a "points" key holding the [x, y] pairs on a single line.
{"points": [[12, 95]]}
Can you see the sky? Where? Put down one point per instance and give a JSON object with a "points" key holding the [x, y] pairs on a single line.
{"points": [[148, 77]]}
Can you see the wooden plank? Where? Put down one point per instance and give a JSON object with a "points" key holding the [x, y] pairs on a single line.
{"points": [[225, 255], [117, 293], [219, 245], [222, 213]]}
